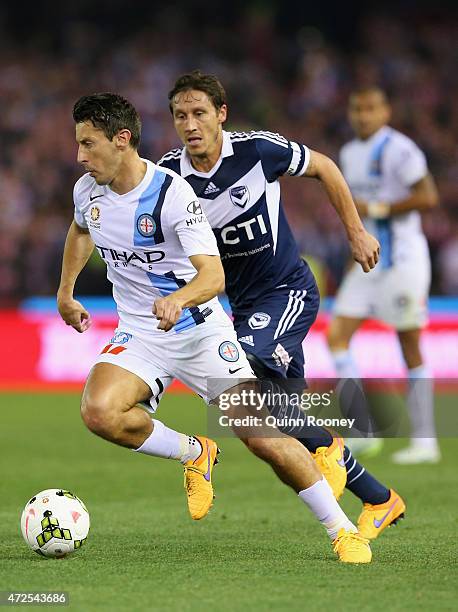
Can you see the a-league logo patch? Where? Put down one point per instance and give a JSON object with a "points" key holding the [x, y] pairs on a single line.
{"points": [[259, 320], [94, 221], [228, 351], [240, 196], [146, 225], [121, 338]]}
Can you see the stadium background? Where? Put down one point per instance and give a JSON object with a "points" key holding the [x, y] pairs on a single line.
{"points": [[287, 67], [287, 71]]}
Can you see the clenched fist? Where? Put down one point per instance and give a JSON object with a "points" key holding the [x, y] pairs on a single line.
{"points": [[168, 310], [74, 313], [365, 249]]}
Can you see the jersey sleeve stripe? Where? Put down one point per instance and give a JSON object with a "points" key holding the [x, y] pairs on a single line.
{"points": [[296, 159], [281, 143], [304, 161], [175, 154], [257, 134], [273, 136]]}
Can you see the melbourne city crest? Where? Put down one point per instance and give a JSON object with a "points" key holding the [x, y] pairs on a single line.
{"points": [[146, 225]]}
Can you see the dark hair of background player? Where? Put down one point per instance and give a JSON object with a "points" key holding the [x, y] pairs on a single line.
{"points": [[208, 83], [111, 113]]}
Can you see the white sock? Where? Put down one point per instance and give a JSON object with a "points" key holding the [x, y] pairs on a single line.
{"points": [[170, 444], [344, 364], [420, 403], [321, 501]]}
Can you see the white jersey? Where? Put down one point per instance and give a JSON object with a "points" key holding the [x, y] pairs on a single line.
{"points": [[146, 237], [383, 168]]}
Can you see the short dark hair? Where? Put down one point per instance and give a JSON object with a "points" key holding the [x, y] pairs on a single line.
{"points": [[109, 112], [208, 83]]}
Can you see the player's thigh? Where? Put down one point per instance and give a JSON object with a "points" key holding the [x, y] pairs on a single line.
{"points": [[296, 382], [242, 409], [127, 372], [273, 332], [356, 296], [209, 358], [341, 330], [296, 367], [113, 388], [403, 295]]}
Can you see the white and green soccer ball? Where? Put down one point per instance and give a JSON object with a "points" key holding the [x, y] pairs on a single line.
{"points": [[55, 523]]}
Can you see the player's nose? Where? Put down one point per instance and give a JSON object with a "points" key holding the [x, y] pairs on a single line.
{"points": [[81, 157], [190, 124]]}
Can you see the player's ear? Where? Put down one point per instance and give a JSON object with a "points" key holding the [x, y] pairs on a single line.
{"points": [[388, 112], [222, 114], [122, 138]]}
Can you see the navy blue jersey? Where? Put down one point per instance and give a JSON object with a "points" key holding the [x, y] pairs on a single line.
{"points": [[241, 199]]}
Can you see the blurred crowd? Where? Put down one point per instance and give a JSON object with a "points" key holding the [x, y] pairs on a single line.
{"points": [[296, 85]]}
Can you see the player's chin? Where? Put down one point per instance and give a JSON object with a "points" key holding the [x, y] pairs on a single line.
{"points": [[196, 148], [366, 131], [98, 178]]}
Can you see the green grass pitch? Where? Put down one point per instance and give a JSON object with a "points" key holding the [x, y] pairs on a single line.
{"points": [[259, 548]]}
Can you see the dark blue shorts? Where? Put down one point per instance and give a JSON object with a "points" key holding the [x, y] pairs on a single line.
{"points": [[274, 328]]}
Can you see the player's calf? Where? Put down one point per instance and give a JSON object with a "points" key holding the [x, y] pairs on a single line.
{"points": [[288, 458]]}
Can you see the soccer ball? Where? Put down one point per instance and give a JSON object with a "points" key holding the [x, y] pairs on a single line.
{"points": [[55, 523]]}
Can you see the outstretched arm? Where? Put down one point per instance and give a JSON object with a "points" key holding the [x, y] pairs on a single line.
{"points": [[364, 247], [77, 250]]}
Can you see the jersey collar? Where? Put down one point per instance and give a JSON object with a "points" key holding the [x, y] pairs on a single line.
{"points": [[376, 136], [142, 185], [186, 167]]}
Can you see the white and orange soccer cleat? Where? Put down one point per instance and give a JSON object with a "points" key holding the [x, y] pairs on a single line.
{"points": [[197, 479]]}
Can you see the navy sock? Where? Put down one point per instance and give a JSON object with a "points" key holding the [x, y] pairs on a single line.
{"points": [[362, 484], [316, 437]]}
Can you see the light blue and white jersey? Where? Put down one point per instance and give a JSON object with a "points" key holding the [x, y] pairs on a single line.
{"points": [[383, 168], [145, 237], [241, 199]]}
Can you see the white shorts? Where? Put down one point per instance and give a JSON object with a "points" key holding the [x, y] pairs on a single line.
{"points": [[207, 358], [397, 296]]}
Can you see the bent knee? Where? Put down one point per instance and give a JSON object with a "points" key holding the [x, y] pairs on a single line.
{"points": [[99, 415], [337, 336], [333, 336]]}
